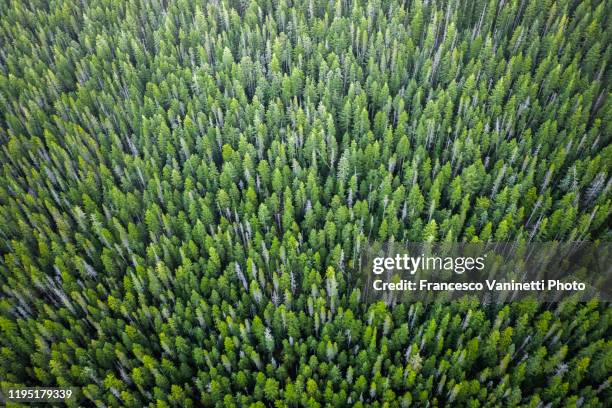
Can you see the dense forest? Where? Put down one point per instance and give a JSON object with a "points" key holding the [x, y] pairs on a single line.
{"points": [[187, 186]]}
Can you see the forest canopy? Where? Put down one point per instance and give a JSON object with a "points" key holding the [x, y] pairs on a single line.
{"points": [[186, 188]]}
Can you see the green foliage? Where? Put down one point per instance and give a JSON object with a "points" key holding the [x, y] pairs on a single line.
{"points": [[187, 186]]}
